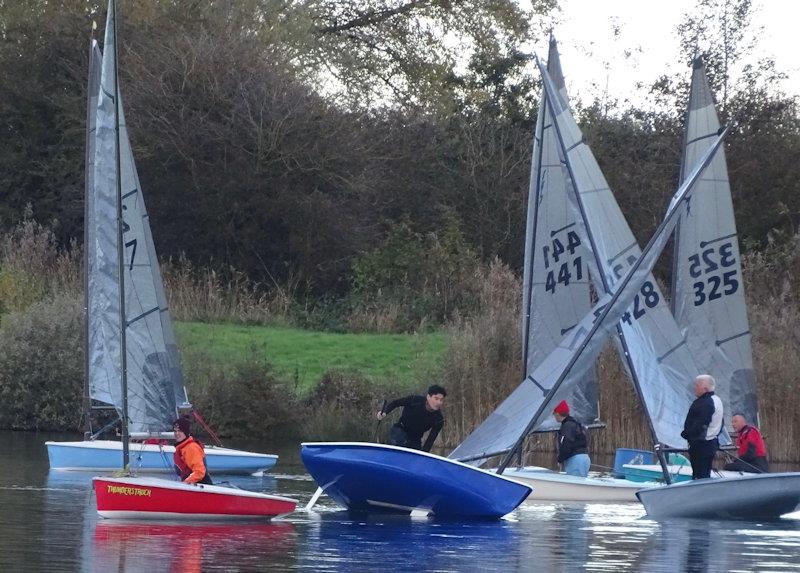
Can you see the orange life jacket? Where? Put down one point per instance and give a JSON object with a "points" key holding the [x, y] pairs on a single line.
{"points": [[190, 460]]}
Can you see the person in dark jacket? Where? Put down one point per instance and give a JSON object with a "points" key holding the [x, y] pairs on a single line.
{"points": [[572, 452], [751, 451], [420, 414], [702, 426]]}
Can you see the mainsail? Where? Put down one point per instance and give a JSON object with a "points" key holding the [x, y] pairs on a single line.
{"points": [[561, 370], [707, 287], [155, 388], [660, 362], [555, 290]]}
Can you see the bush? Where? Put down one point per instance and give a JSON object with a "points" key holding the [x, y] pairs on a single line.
{"points": [[41, 366], [248, 401], [341, 406], [413, 279]]}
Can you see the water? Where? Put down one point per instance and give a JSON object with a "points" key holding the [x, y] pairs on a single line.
{"points": [[48, 522]]}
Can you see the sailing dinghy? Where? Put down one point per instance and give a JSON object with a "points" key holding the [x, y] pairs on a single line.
{"points": [[710, 307], [155, 385], [132, 353], [155, 498], [377, 478]]}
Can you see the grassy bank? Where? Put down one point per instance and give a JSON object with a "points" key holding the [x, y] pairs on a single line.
{"points": [[304, 356]]}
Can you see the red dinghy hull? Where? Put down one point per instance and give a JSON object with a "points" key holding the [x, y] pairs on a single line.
{"points": [[154, 498]]}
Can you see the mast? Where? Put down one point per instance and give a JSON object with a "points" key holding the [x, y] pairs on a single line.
{"points": [[120, 255], [87, 402], [526, 325]]}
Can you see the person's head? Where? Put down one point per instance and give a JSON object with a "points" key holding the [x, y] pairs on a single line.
{"points": [[435, 397], [561, 411], [704, 383], [182, 428], [738, 421]]}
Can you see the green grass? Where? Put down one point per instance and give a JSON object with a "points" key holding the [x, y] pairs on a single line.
{"points": [[306, 355]]}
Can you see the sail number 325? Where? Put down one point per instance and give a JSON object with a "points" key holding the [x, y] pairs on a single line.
{"points": [[706, 264]]}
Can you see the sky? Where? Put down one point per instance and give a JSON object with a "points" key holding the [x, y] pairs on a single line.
{"points": [[598, 64]]}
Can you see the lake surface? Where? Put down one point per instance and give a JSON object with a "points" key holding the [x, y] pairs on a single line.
{"points": [[48, 522]]}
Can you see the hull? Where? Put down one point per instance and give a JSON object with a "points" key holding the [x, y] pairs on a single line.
{"points": [[106, 455], [553, 486], [375, 478], [154, 498], [679, 473], [755, 496]]}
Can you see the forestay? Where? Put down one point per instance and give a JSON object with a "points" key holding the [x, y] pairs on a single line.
{"points": [[561, 369], [708, 290], [555, 293], [155, 387]]}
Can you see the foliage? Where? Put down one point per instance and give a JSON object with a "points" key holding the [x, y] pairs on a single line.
{"points": [[41, 366], [341, 406], [417, 278], [248, 401]]}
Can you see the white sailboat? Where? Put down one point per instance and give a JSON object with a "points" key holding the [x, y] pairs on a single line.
{"points": [[709, 304], [144, 352]]}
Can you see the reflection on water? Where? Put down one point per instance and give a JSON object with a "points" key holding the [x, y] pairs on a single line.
{"points": [[187, 548], [48, 521]]}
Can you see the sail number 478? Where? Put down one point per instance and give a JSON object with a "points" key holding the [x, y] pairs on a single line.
{"points": [[714, 285]]}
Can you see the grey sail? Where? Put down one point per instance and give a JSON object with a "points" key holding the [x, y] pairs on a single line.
{"points": [[562, 369], [653, 348], [708, 291], [154, 385], [555, 293]]}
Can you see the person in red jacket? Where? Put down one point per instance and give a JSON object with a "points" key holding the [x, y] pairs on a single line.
{"points": [[189, 457], [751, 451]]}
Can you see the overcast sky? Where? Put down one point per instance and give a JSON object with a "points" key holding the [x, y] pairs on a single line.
{"points": [[646, 47]]}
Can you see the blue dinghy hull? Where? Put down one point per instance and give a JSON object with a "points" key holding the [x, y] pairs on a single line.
{"points": [[377, 478], [106, 455]]}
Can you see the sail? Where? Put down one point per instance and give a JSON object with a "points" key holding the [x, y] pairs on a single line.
{"points": [[153, 374], [660, 362], [555, 290], [561, 370], [708, 291]]}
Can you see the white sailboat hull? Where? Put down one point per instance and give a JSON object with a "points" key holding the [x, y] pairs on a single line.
{"points": [[554, 486], [106, 455], [756, 496]]}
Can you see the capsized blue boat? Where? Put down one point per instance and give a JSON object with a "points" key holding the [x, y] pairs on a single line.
{"points": [[106, 455], [377, 478]]}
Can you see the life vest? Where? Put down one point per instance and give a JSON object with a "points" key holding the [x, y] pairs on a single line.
{"points": [[181, 467], [751, 435]]}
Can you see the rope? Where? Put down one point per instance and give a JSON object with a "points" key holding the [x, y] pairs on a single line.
{"points": [[206, 427]]}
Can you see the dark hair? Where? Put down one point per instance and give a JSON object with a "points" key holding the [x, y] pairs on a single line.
{"points": [[436, 389]]}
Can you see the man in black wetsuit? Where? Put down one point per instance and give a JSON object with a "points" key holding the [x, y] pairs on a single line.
{"points": [[420, 414]]}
